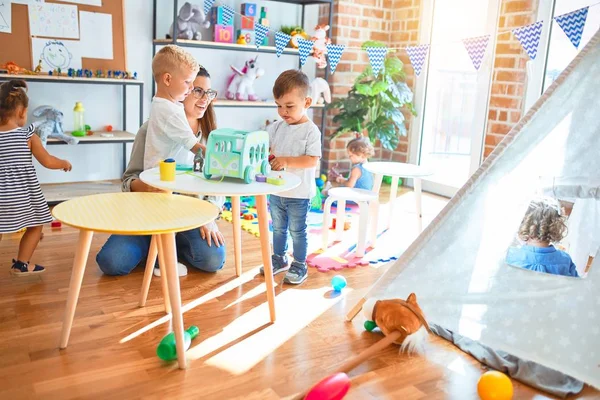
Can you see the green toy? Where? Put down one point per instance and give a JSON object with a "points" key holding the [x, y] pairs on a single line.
{"points": [[237, 154], [167, 349], [370, 325], [388, 180]]}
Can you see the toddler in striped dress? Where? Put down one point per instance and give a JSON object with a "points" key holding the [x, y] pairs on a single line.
{"points": [[22, 203]]}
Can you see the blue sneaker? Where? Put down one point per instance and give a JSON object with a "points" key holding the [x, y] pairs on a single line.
{"points": [[20, 268], [280, 264], [297, 273]]}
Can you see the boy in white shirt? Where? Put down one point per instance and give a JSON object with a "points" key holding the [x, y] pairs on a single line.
{"points": [[169, 133], [296, 144]]}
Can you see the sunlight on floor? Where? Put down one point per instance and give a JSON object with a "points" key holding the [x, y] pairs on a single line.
{"points": [[296, 308]]}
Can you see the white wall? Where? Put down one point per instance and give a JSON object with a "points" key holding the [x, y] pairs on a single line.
{"points": [[103, 103]]}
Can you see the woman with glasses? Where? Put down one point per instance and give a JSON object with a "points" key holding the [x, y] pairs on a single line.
{"points": [[202, 248]]}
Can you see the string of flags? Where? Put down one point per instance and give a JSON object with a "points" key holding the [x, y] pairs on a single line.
{"points": [[572, 24]]}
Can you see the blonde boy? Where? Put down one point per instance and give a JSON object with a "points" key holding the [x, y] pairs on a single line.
{"points": [[169, 133]]}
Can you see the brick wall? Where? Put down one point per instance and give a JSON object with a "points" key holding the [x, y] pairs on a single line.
{"points": [[510, 73], [354, 22]]}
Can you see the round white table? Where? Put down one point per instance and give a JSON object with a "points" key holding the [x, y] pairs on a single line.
{"points": [[398, 170], [195, 183]]}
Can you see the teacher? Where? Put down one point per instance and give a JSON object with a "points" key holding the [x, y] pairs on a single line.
{"points": [[202, 248]]}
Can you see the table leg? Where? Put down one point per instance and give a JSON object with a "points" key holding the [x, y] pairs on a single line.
{"points": [[164, 279], [418, 190], [169, 255], [377, 179], [393, 195], [237, 234], [265, 245], [81, 255], [150, 262]]}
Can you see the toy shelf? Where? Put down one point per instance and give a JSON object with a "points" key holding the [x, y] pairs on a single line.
{"points": [[117, 137], [58, 192], [251, 104], [222, 46], [67, 79]]}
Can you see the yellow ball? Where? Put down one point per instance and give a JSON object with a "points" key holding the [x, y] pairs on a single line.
{"points": [[324, 178], [494, 385]]}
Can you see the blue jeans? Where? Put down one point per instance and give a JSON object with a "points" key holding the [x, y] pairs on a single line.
{"points": [[287, 213], [121, 254]]}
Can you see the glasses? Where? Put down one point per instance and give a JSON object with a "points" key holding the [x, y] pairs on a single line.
{"points": [[199, 93]]}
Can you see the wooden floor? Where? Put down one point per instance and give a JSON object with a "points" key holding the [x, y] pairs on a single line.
{"points": [[238, 355]]}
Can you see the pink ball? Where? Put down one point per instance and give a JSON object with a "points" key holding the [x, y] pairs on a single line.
{"points": [[333, 387]]}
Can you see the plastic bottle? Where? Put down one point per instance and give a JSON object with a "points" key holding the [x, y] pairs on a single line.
{"points": [[78, 120], [167, 349]]}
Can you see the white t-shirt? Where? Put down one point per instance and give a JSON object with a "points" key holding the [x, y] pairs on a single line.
{"points": [[293, 141], [169, 134]]}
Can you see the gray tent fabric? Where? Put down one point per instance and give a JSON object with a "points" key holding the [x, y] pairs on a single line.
{"points": [[530, 373]]}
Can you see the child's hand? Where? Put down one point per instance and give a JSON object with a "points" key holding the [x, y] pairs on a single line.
{"points": [[65, 165], [340, 179], [278, 164]]}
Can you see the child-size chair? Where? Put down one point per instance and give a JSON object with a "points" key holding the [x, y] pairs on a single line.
{"points": [[368, 203]]}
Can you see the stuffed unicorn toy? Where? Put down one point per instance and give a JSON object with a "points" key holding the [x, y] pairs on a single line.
{"points": [[321, 41], [241, 83], [320, 87], [191, 17]]}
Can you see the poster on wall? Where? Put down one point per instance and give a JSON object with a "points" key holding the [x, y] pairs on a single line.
{"points": [[55, 54], [53, 20], [96, 35], [5, 16]]}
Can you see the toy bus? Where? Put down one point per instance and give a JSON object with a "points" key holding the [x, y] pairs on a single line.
{"points": [[237, 154]]}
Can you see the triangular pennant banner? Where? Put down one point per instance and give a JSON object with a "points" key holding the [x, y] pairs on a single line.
{"points": [[304, 47], [476, 47], [376, 57], [529, 36], [573, 24], [227, 14], [417, 55], [260, 32], [334, 53], [281, 40], [208, 5]]}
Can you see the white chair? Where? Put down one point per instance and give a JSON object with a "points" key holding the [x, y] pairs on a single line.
{"points": [[368, 203]]}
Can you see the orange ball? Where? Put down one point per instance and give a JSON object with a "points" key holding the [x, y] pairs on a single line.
{"points": [[494, 385]]}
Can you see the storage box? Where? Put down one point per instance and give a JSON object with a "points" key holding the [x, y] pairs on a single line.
{"points": [[224, 34], [249, 9], [248, 35], [246, 22], [217, 17]]}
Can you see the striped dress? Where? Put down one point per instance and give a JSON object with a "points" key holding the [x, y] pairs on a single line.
{"points": [[22, 203]]}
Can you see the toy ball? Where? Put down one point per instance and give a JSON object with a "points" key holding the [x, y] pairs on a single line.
{"points": [[333, 387], [494, 385], [323, 178], [370, 325], [319, 182], [338, 283]]}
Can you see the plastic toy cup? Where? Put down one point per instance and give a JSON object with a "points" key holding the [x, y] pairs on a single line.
{"points": [[167, 170]]}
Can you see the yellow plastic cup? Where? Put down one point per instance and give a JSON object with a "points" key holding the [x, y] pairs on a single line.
{"points": [[167, 170]]}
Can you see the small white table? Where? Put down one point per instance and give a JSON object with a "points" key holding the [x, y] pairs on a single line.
{"points": [[195, 183], [398, 170]]}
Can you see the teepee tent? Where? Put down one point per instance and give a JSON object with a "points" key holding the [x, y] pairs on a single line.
{"points": [[456, 266]]}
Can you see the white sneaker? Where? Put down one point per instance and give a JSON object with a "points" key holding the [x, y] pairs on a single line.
{"points": [[181, 270]]}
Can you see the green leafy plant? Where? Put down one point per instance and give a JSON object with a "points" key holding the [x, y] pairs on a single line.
{"points": [[374, 104]]}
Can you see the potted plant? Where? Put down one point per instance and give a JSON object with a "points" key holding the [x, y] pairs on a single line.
{"points": [[374, 103]]}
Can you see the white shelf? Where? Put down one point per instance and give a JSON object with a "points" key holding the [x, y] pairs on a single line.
{"points": [[67, 79], [224, 46], [57, 192], [118, 137]]}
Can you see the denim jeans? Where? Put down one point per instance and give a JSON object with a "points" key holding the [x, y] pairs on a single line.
{"points": [[121, 254], [289, 214]]}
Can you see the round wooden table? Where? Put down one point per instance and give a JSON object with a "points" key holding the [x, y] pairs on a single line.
{"points": [[398, 170], [157, 214], [195, 183]]}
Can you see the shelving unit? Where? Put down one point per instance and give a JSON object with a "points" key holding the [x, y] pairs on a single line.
{"points": [[57, 192], [238, 47]]}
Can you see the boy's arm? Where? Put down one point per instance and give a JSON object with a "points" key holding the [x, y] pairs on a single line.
{"points": [[178, 130]]}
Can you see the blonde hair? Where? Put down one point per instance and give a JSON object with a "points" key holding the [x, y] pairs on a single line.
{"points": [[543, 221], [171, 58], [361, 146]]}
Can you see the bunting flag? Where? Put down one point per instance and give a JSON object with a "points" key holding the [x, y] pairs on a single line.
{"points": [[260, 32], [334, 53], [573, 24], [228, 12], [208, 5], [281, 40], [476, 47], [376, 58], [529, 36], [417, 55], [304, 48]]}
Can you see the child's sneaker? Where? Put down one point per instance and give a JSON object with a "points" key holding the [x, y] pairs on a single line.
{"points": [[280, 264], [297, 274], [21, 269], [181, 270]]}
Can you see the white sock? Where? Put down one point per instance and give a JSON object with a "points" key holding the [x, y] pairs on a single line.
{"points": [[181, 270]]}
